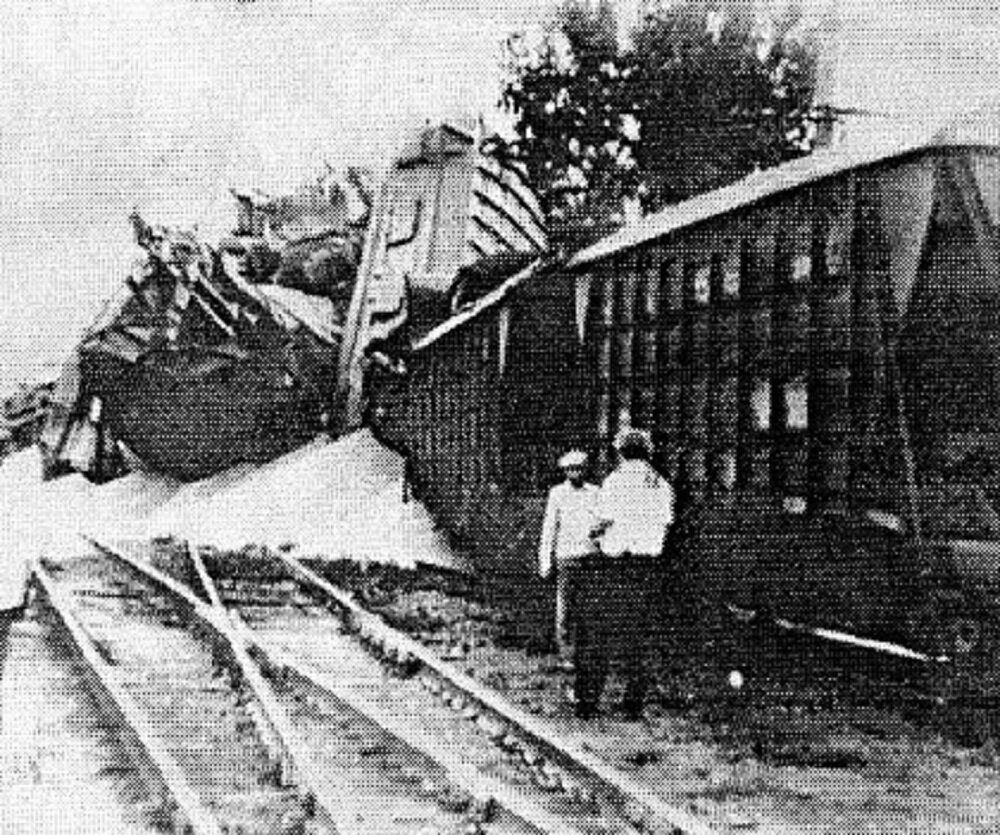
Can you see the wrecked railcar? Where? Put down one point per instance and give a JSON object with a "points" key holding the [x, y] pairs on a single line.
{"points": [[815, 350], [192, 369], [450, 202], [209, 358], [22, 415]]}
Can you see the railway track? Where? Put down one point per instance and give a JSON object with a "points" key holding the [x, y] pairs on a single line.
{"points": [[436, 738], [197, 726], [64, 754], [351, 725], [236, 754]]}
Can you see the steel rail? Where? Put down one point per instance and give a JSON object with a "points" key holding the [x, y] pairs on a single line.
{"points": [[484, 789], [620, 790], [481, 788], [113, 696], [331, 794], [272, 720]]}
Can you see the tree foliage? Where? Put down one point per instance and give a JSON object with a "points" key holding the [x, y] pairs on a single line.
{"points": [[705, 92]]}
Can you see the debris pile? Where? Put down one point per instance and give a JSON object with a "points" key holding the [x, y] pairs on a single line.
{"points": [[209, 357], [22, 415]]}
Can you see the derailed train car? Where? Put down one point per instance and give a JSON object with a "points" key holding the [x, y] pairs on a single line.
{"points": [[207, 359], [815, 349], [22, 415], [191, 369]]}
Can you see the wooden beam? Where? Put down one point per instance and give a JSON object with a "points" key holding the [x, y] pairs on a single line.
{"points": [[668, 405], [780, 361], [713, 410], [749, 308], [688, 415], [864, 328], [987, 239], [818, 386]]}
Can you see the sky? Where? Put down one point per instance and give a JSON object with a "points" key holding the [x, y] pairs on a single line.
{"points": [[901, 57], [162, 105]]}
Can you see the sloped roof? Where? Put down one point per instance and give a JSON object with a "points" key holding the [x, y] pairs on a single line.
{"points": [[434, 142], [980, 128]]}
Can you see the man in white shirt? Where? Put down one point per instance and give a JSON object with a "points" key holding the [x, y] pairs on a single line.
{"points": [[566, 542], [635, 510]]}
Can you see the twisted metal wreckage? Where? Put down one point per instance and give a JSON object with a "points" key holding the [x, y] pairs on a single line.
{"points": [[207, 358]]}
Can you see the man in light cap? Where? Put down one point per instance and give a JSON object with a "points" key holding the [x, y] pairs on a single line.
{"points": [[566, 542], [635, 510]]}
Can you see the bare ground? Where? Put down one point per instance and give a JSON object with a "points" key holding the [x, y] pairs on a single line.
{"points": [[815, 740]]}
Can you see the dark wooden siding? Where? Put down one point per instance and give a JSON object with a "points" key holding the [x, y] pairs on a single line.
{"points": [[753, 348], [749, 346], [484, 413], [764, 351]]}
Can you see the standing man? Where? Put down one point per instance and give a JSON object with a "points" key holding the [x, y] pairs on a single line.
{"points": [[566, 543], [635, 510]]}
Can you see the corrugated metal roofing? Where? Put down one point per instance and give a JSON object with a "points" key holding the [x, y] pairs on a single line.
{"points": [[979, 129]]}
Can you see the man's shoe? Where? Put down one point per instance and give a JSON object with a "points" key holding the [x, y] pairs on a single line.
{"points": [[585, 711], [631, 711]]}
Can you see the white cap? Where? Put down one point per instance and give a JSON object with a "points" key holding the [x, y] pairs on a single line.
{"points": [[573, 458]]}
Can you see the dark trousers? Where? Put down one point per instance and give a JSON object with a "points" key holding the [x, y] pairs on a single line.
{"points": [[617, 599], [7, 618], [568, 579]]}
